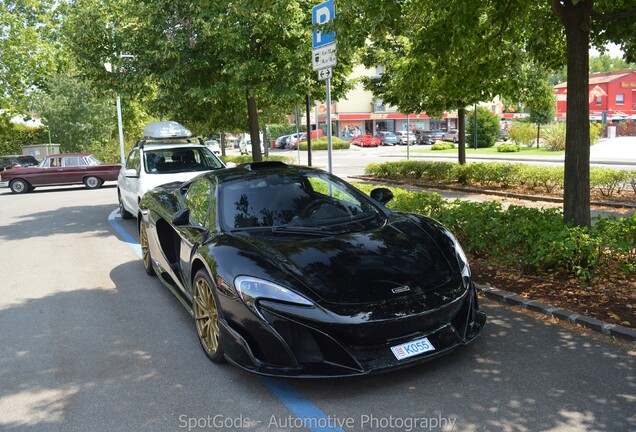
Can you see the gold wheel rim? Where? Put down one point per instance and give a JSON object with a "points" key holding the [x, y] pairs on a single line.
{"points": [[143, 240], [206, 316]]}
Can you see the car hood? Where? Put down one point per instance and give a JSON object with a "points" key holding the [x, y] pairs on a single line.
{"points": [[399, 259]]}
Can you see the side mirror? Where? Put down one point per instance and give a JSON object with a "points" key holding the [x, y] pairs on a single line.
{"points": [[382, 195], [182, 217], [131, 173]]}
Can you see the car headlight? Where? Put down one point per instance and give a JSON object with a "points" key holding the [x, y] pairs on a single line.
{"points": [[461, 256], [251, 289]]}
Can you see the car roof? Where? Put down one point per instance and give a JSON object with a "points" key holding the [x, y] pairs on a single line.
{"points": [[162, 145], [68, 154]]}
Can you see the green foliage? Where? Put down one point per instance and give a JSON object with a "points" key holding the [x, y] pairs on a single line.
{"points": [[276, 130], [242, 159], [609, 181], [554, 137], [546, 178], [13, 136], [523, 133], [442, 146], [508, 148], [530, 239], [595, 132], [487, 128], [78, 117], [321, 144]]}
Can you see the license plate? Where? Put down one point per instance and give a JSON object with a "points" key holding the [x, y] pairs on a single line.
{"points": [[412, 348]]}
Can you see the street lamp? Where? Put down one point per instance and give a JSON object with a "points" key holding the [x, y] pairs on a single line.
{"points": [[109, 68]]}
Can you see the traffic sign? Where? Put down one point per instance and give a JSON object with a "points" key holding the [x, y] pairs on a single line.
{"points": [[324, 57], [321, 15], [323, 74]]}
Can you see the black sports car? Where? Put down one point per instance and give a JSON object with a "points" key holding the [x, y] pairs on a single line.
{"points": [[291, 271]]}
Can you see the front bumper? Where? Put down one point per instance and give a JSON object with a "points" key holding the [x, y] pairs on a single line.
{"points": [[295, 347], [4, 184]]}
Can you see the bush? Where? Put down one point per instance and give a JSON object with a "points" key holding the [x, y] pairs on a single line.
{"points": [[530, 239], [442, 146], [523, 133], [508, 148], [554, 137], [487, 128], [321, 144], [241, 159], [609, 181]]}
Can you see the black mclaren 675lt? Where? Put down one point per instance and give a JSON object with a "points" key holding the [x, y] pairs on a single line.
{"points": [[291, 271]]}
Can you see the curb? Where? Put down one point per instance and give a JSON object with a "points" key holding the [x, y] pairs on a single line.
{"points": [[507, 297]]}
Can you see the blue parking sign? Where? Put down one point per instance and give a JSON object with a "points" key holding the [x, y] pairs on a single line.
{"points": [[321, 15]]}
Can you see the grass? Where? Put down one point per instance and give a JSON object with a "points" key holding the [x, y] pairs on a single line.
{"points": [[525, 151]]}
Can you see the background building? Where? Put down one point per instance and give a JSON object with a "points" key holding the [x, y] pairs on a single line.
{"points": [[612, 96]]}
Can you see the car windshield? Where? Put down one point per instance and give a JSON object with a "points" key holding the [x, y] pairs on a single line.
{"points": [[184, 159], [296, 201]]}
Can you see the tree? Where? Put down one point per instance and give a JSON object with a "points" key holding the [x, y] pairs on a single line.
{"points": [[460, 52], [28, 48], [583, 21], [487, 128], [219, 65], [78, 117]]}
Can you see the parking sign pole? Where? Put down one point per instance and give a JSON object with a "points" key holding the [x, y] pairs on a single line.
{"points": [[329, 148]]}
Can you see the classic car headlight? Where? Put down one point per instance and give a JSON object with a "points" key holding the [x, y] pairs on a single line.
{"points": [[251, 289]]}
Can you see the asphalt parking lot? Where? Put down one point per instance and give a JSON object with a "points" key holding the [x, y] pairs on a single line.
{"points": [[89, 342]]}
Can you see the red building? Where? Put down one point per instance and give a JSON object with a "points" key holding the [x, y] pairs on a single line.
{"points": [[613, 93]]}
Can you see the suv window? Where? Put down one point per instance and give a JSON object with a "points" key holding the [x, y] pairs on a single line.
{"points": [[179, 159]]}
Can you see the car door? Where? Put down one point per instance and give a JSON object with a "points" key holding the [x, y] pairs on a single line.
{"points": [[48, 173], [199, 199], [128, 186], [73, 170]]}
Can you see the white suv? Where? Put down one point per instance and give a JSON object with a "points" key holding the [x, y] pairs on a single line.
{"points": [[168, 153]]}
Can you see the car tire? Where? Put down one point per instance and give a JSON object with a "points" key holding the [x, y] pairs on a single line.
{"points": [[19, 186], [125, 214], [145, 250], [206, 316], [455, 140], [92, 182]]}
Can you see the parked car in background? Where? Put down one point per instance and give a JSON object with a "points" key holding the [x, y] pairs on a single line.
{"points": [[503, 135], [366, 141], [245, 147], [452, 136], [213, 146], [17, 161], [281, 141], [168, 153], [60, 169], [386, 138], [404, 136], [256, 254], [429, 136]]}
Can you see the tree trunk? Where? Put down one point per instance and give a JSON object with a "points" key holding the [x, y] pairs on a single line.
{"points": [[461, 128], [252, 120], [576, 194], [223, 144], [265, 141]]}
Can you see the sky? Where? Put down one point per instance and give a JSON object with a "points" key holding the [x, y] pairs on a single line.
{"points": [[613, 50]]}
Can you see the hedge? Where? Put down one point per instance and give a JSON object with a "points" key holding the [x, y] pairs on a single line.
{"points": [[321, 144], [530, 239], [501, 174]]}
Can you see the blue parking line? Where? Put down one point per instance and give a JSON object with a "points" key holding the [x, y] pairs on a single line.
{"points": [[133, 243], [309, 415]]}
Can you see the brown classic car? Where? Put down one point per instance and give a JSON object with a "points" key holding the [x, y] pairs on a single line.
{"points": [[60, 169]]}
